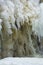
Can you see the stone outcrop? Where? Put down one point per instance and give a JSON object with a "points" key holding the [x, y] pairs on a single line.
{"points": [[19, 44], [16, 17]]}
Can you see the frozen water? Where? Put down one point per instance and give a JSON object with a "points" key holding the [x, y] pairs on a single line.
{"points": [[21, 61]]}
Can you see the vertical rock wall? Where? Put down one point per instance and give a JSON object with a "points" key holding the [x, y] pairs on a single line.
{"points": [[19, 44], [0, 48], [16, 28]]}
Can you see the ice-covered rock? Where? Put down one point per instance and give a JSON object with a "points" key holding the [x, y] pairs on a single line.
{"points": [[19, 10], [18, 17]]}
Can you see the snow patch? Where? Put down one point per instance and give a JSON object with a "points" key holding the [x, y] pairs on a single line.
{"points": [[21, 61]]}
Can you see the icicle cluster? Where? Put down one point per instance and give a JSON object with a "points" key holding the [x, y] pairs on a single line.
{"points": [[0, 24], [13, 13], [38, 23], [41, 21]]}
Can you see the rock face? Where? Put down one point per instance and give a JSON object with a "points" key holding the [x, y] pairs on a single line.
{"points": [[19, 44], [23, 46], [0, 48], [16, 17], [41, 0]]}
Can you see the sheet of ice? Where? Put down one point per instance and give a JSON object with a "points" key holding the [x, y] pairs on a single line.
{"points": [[38, 23], [21, 61], [35, 1]]}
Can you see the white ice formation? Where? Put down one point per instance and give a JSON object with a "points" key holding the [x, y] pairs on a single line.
{"points": [[14, 13]]}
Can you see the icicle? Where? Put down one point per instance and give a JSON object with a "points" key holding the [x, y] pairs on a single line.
{"points": [[9, 31], [0, 21], [0, 24], [0, 27], [36, 2], [10, 6]]}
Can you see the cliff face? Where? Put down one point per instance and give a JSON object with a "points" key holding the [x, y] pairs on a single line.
{"points": [[41, 0], [18, 44], [24, 42], [16, 19]]}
